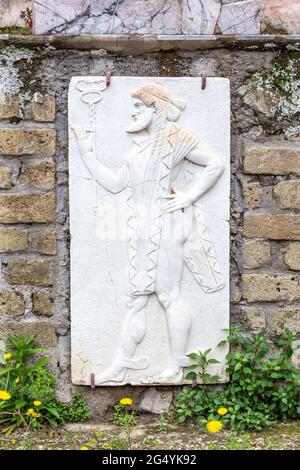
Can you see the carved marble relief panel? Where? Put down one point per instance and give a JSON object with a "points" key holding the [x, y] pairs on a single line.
{"points": [[149, 210]]}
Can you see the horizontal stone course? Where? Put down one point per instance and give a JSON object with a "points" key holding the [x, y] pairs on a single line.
{"points": [[35, 142], [272, 160], [272, 226], [29, 272], [270, 288], [45, 242], [44, 331], [26, 208]]}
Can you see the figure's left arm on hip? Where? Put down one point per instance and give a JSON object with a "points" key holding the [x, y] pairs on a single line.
{"points": [[201, 183]]}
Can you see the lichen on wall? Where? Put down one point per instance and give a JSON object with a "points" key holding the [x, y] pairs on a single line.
{"points": [[276, 93]]}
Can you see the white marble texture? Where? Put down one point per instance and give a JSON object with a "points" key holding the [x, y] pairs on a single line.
{"points": [[99, 263]]}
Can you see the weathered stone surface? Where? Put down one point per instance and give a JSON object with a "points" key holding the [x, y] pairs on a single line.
{"points": [[10, 106], [156, 401], [49, 14], [256, 254], [44, 331], [43, 111], [254, 317], [42, 303], [280, 16], [287, 318], [200, 17], [29, 272], [19, 208], [240, 18], [12, 239], [38, 175], [257, 99], [273, 226], [272, 160], [265, 287], [5, 176], [34, 142], [287, 194], [10, 12], [11, 304], [132, 16], [292, 256], [45, 242], [252, 195]]}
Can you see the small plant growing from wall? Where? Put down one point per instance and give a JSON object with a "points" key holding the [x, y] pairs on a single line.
{"points": [[263, 385], [27, 395]]}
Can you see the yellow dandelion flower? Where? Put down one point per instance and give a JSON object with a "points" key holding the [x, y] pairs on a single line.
{"points": [[222, 411], [214, 426], [4, 395], [126, 401], [7, 356], [84, 448], [35, 415], [30, 411], [37, 403], [17, 380]]}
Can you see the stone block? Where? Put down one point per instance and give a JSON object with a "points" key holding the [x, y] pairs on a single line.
{"points": [[240, 18], [292, 256], [38, 175], [287, 194], [273, 226], [11, 304], [35, 142], [29, 272], [43, 111], [270, 288], [200, 17], [254, 317], [252, 195], [45, 333], [26, 208], [287, 318], [45, 242], [10, 107], [12, 239], [42, 303], [256, 254], [156, 401], [272, 160]]}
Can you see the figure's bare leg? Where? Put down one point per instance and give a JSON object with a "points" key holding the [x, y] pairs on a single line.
{"points": [[133, 332], [179, 319]]}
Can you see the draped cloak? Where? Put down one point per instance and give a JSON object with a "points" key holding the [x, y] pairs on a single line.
{"points": [[145, 217]]}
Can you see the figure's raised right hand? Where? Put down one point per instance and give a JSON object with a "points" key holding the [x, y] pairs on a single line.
{"points": [[84, 138]]}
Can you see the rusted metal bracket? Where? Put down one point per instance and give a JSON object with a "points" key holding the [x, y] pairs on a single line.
{"points": [[93, 386], [203, 81], [108, 77]]}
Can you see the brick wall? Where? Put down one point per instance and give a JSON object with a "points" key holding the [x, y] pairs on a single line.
{"points": [[27, 218], [34, 224]]}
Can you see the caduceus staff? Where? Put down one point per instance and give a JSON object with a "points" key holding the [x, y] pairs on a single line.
{"points": [[91, 93]]}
